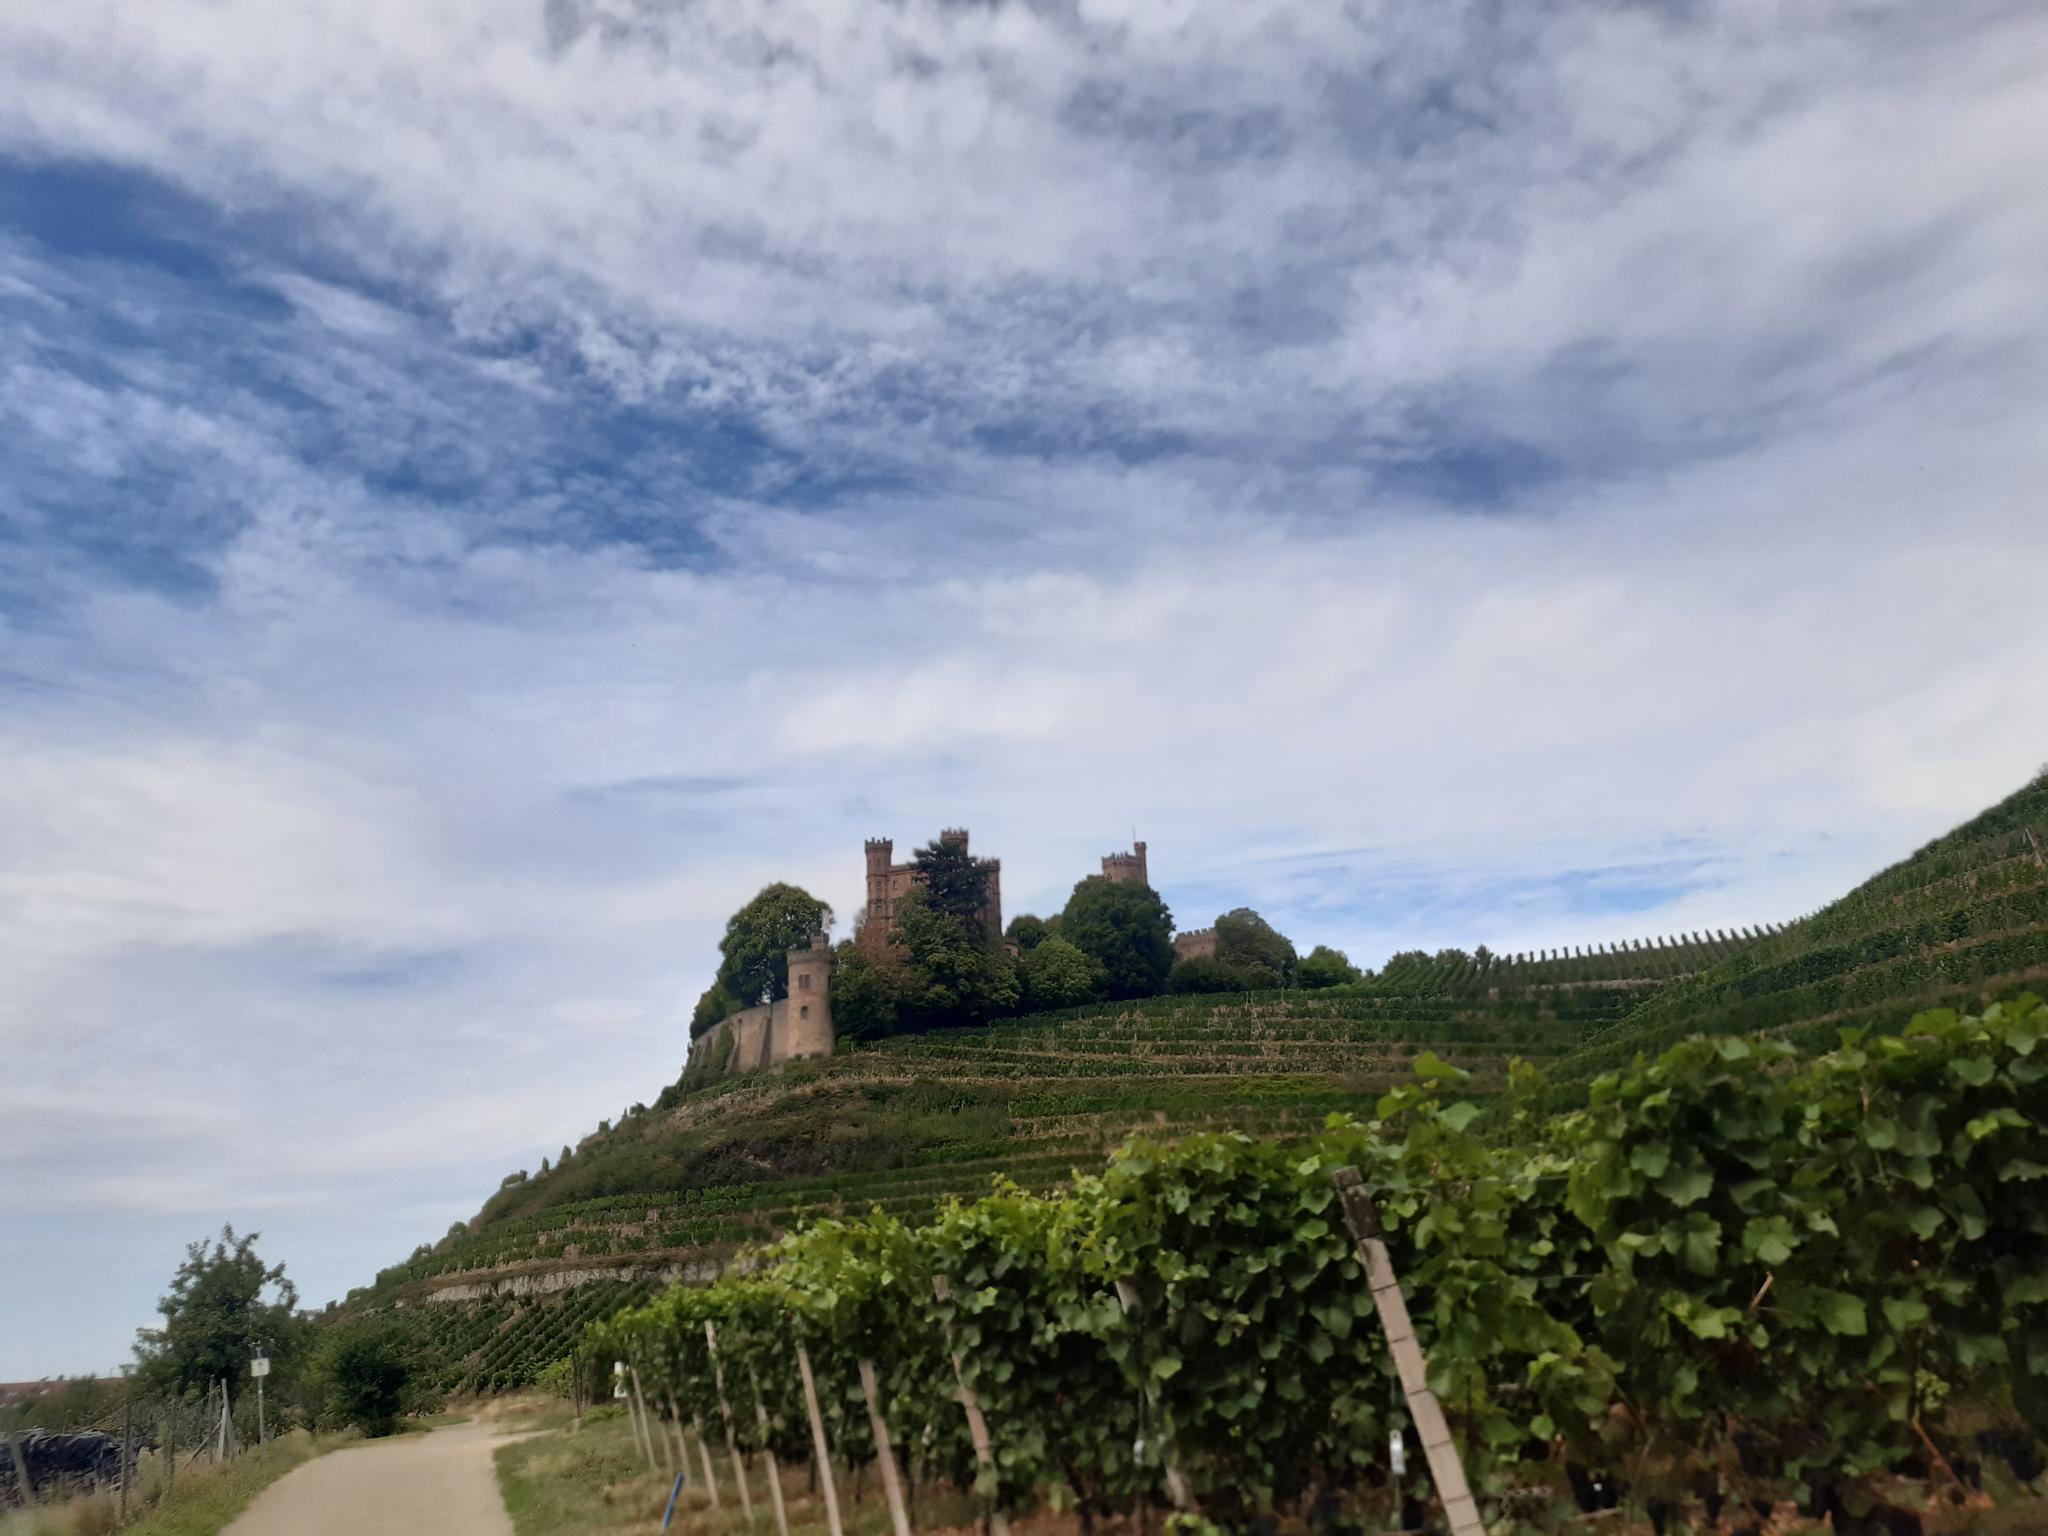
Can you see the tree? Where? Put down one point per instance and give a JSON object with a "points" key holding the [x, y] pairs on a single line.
{"points": [[1126, 929], [758, 939], [224, 1305], [952, 879], [867, 993], [1057, 975], [366, 1373], [1255, 949], [955, 974], [716, 1005], [1026, 932], [1326, 967]]}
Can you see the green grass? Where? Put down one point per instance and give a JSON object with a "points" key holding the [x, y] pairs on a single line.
{"points": [[201, 1501], [591, 1482]]}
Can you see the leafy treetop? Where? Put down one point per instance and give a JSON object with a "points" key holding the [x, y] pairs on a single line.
{"points": [[223, 1305], [759, 937], [1126, 929]]}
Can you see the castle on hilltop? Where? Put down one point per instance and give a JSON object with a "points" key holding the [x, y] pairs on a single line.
{"points": [[889, 883], [800, 1025]]}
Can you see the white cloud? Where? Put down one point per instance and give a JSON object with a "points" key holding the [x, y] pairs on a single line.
{"points": [[1140, 351]]}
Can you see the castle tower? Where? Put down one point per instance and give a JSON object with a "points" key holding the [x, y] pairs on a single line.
{"points": [[880, 850], [807, 1011], [1127, 868]]}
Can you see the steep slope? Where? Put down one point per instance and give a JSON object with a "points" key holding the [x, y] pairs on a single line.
{"points": [[1962, 921], [907, 1122]]}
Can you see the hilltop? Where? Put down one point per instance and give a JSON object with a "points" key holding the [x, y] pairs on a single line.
{"points": [[904, 1122]]}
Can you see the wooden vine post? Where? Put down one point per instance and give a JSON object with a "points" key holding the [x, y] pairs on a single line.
{"points": [[704, 1458], [768, 1454], [892, 1485], [632, 1412], [21, 1477], [732, 1444], [1176, 1485], [675, 1431], [820, 1446], [977, 1426], [1446, 1469], [646, 1419]]}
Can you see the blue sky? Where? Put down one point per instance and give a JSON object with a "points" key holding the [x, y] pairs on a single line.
{"points": [[483, 488]]}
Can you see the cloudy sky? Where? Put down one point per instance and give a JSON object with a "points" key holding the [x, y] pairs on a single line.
{"points": [[484, 486]]}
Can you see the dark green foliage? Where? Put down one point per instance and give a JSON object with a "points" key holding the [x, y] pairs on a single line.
{"points": [[1057, 975], [1026, 932], [1326, 967], [952, 879], [365, 1370], [715, 1005], [224, 1304], [1819, 1253], [1204, 973], [758, 939], [867, 993], [1255, 950], [957, 974], [1126, 929]]}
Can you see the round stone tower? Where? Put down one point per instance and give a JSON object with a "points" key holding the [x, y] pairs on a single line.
{"points": [[807, 1025]]}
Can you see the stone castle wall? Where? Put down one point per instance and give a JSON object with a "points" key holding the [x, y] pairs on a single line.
{"points": [[768, 1034]]}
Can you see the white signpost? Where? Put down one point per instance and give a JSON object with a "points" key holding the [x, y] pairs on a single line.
{"points": [[260, 1368]]}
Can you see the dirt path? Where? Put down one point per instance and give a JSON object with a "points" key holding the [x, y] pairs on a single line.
{"points": [[439, 1484]]}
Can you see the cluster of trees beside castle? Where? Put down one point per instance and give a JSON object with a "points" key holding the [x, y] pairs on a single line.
{"points": [[943, 966]]}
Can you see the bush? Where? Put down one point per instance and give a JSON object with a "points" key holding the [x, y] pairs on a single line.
{"points": [[366, 1373], [1057, 975], [1326, 967]]}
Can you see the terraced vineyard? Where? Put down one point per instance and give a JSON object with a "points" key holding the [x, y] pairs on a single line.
{"points": [[1961, 922], [904, 1124], [908, 1122]]}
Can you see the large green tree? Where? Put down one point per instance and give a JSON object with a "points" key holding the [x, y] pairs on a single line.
{"points": [[957, 975], [1326, 967], [224, 1305], [952, 879], [1126, 929], [1257, 951], [1057, 975], [1027, 932], [759, 937], [867, 993]]}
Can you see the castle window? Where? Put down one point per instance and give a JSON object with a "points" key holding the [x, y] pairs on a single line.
{"points": [[803, 981], [805, 1011]]}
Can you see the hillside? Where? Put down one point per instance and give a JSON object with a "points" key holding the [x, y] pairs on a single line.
{"points": [[1962, 921], [906, 1122]]}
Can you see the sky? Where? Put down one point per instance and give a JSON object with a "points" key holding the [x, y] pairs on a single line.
{"points": [[486, 486]]}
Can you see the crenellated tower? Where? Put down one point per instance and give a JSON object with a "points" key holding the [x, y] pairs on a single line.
{"points": [[1127, 868]]}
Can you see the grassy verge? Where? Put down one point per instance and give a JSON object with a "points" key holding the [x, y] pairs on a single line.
{"points": [[591, 1482], [202, 1499]]}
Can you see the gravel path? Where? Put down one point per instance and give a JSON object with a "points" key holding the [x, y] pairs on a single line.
{"points": [[438, 1484]]}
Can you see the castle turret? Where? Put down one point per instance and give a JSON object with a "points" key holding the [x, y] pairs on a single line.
{"points": [[806, 1023], [1127, 868]]}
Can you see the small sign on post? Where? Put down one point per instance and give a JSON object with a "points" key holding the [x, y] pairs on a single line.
{"points": [[260, 1368]]}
